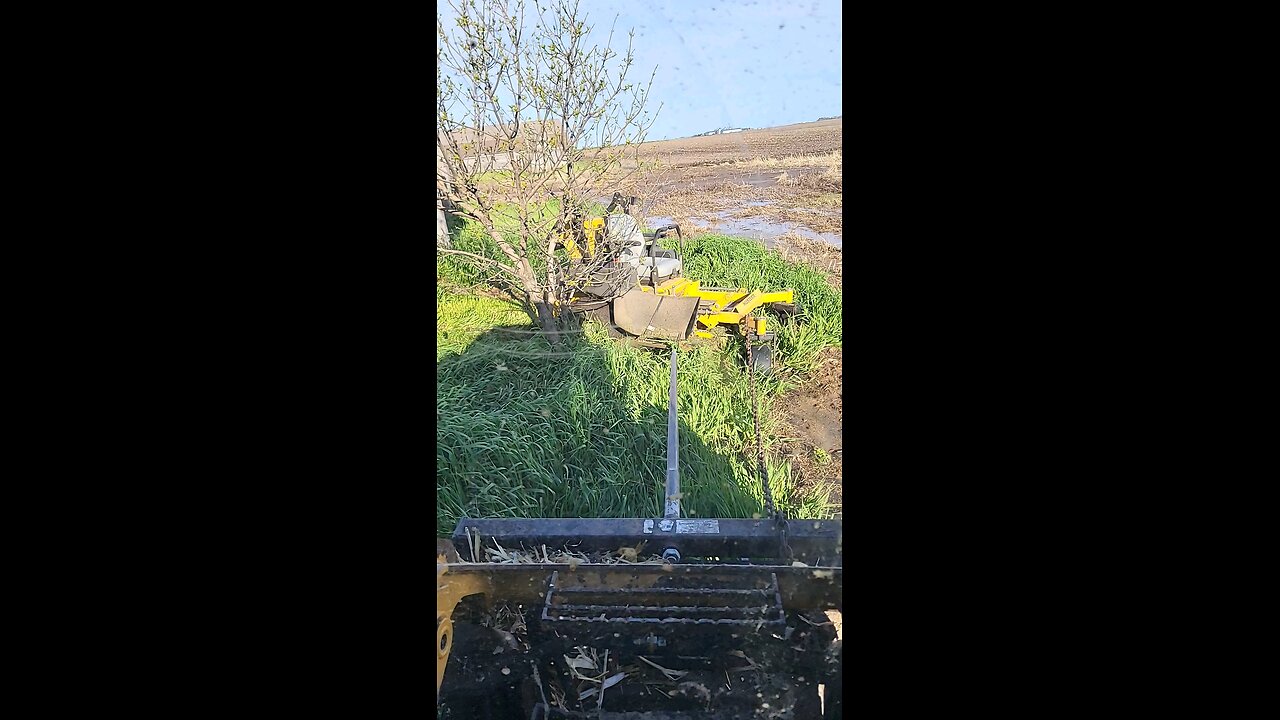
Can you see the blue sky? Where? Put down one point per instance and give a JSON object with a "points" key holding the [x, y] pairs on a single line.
{"points": [[745, 63]]}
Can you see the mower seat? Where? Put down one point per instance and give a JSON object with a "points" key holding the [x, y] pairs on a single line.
{"points": [[666, 266]]}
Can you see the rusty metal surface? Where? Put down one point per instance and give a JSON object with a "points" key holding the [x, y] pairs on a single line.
{"points": [[662, 605], [670, 610], [813, 542], [639, 603], [800, 588], [445, 551]]}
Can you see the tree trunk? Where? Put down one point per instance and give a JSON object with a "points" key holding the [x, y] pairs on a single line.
{"points": [[546, 319], [535, 296], [442, 227]]}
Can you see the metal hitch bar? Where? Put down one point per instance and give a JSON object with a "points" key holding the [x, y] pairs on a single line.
{"points": [[813, 542]]}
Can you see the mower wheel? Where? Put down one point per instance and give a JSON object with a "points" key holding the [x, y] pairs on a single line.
{"points": [[604, 317], [761, 358]]}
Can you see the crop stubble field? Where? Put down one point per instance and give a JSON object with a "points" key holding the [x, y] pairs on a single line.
{"points": [[762, 184]]}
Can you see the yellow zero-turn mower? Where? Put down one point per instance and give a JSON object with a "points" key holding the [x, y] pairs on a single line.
{"points": [[624, 279]]}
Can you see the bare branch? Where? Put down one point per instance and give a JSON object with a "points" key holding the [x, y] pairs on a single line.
{"points": [[528, 105]]}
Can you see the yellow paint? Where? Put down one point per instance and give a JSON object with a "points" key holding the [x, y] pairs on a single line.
{"points": [[678, 286], [756, 299], [591, 228], [719, 300], [449, 592], [745, 307]]}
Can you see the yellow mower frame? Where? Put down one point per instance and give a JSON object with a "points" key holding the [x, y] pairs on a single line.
{"points": [[728, 305], [651, 317], [591, 229]]}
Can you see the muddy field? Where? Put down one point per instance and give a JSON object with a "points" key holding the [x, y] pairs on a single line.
{"points": [[761, 184], [813, 422], [811, 138]]}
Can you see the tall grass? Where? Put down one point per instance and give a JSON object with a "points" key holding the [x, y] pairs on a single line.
{"points": [[470, 236], [525, 431], [718, 260]]}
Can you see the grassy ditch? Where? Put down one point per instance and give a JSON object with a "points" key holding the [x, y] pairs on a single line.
{"points": [[581, 432], [718, 260]]}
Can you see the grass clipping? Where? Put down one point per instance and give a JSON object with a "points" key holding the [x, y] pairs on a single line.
{"points": [[541, 555]]}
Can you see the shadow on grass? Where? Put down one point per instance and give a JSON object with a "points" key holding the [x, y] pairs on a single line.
{"points": [[527, 431]]}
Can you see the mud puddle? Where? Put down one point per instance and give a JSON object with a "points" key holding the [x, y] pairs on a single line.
{"points": [[756, 228], [760, 228]]}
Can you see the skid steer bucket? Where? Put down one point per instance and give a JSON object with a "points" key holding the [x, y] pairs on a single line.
{"points": [[530, 629], [659, 317]]}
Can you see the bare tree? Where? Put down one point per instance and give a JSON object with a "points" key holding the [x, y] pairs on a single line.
{"points": [[442, 226], [543, 110]]}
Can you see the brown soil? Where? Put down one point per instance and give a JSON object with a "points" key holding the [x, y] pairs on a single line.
{"points": [[812, 415], [812, 418], [805, 203], [795, 169], [814, 253], [810, 138]]}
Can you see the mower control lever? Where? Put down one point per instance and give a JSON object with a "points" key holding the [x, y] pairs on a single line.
{"points": [[625, 202], [656, 235], [666, 229]]}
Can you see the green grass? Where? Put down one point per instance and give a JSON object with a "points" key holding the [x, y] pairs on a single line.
{"points": [[457, 272], [718, 260], [581, 432], [494, 177], [461, 319], [523, 432]]}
